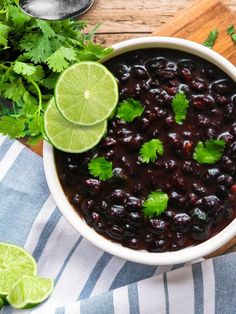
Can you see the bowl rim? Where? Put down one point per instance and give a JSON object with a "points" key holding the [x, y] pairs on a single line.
{"points": [[144, 257]]}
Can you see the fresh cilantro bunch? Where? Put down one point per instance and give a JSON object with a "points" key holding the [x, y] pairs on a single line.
{"points": [[32, 54]]}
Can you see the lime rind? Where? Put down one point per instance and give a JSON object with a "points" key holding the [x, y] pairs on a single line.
{"points": [[30, 291], [14, 262], [70, 137], [102, 91]]}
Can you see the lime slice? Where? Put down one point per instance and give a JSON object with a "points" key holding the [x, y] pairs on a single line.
{"points": [[86, 93], [14, 263], [70, 137], [1, 303], [29, 291]]}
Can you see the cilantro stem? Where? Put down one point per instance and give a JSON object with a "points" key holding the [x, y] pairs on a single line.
{"points": [[4, 67], [39, 96]]}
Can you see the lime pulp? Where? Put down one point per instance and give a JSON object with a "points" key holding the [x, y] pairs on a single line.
{"points": [[14, 262], [86, 93], [70, 137], [29, 291]]}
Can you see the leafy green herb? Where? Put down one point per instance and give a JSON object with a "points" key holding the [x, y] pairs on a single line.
{"points": [[211, 39], [233, 37], [230, 30], [150, 150], [180, 105], [209, 152], [33, 53], [101, 168], [155, 204], [129, 109]]}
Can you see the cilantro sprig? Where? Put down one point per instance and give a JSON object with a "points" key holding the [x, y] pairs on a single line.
{"points": [[33, 53], [211, 39], [150, 150], [129, 109], [101, 168], [155, 204], [231, 32], [180, 105], [209, 152]]}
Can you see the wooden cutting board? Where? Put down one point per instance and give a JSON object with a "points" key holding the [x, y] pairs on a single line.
{"points": [[194, 23]]}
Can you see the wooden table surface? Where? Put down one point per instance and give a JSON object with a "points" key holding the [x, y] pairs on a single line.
{"points": [[124, 19]]}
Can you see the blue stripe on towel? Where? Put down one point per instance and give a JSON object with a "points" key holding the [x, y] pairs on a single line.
{"points": [[17, 213], [60, 310], [68, 258], [47, 231], [198, 288], [94, 276], [25, 191], [132, 272], [166, 294], [225, 278], [101, 304], [5, 147], [6, 310], [26, 175], [133, 299]]}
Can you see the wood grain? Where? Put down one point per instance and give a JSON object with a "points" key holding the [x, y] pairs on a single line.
{"points": [[122, 20], [207, 15]]}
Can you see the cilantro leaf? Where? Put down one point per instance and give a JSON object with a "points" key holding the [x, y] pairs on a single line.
{"points": [[211, 39], [38, 48], [155, 204], [60, 59], [92, 52], [36, 126], [46, 28], [101, 168], [24, 68], [38, 75], [12, 127], [230, 30], [4, 30], [234, 37], [209, 152], [17, 17], [150, 150], [180, 105], [129, 109], [14, 90]]}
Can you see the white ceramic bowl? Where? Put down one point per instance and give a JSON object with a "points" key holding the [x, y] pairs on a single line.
{"points": [[167, 258]]}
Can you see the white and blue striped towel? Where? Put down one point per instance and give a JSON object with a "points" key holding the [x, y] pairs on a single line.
{"points": [[87, 280]]}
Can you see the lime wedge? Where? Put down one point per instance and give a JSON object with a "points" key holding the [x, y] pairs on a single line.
{"points": [[70, 137], [86, 93], [29, 291], [14, 262], [1, 303]]}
